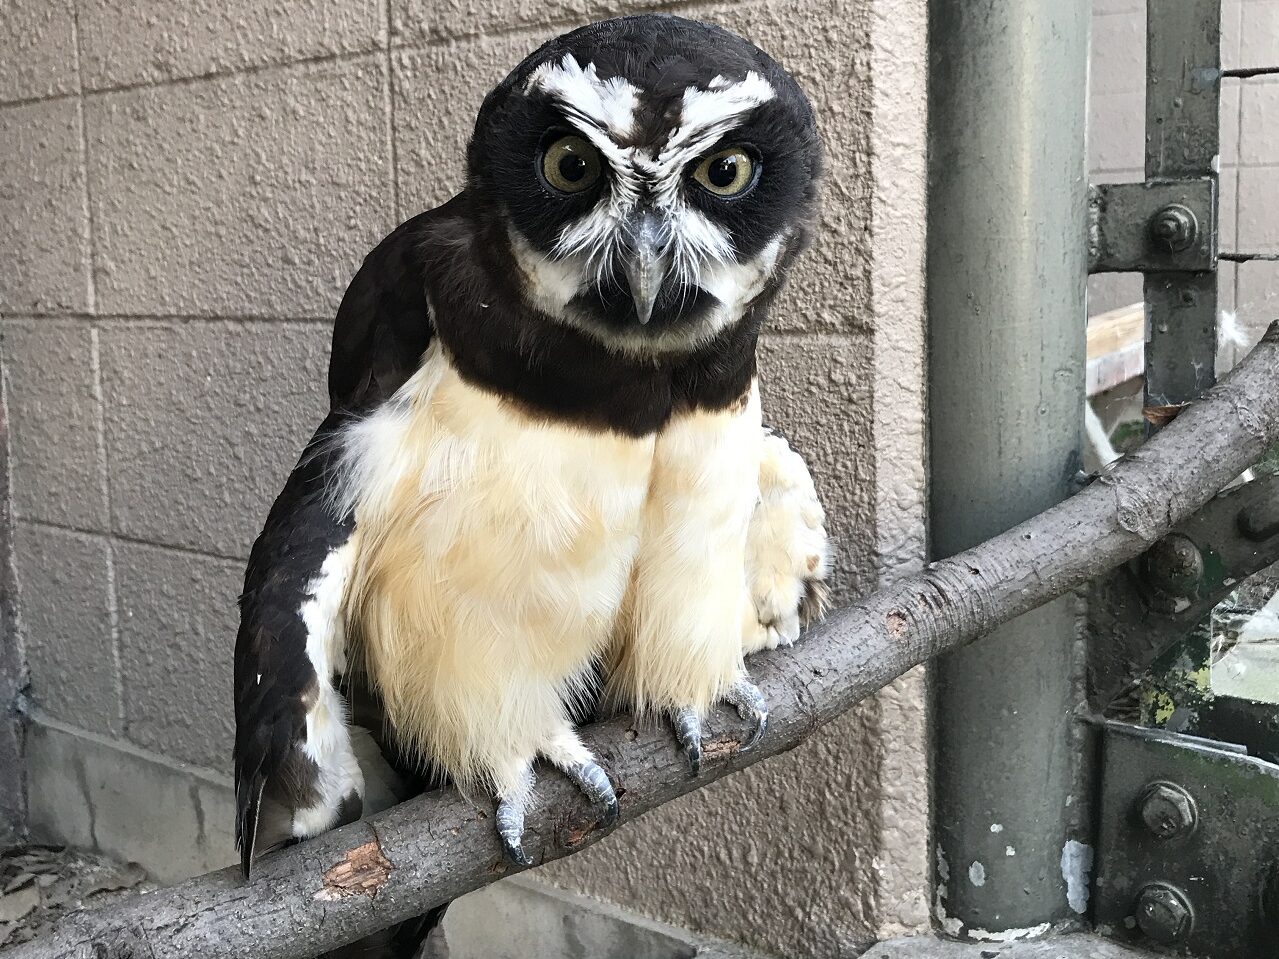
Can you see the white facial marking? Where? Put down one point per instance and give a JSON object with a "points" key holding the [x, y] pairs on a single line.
{"points": [[604, 105], [701, 252]]}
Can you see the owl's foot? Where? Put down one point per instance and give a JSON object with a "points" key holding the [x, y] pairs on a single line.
{"points": [[749, 702], [593, 782], [568, 754], [510, 827], [787, 552]]}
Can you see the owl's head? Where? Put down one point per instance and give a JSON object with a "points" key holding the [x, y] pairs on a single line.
{"points": [[653, 176]]}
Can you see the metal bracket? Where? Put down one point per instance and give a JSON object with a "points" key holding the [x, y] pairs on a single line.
{"points": [[1188, 853], [1161, 226], [1142, 610]]}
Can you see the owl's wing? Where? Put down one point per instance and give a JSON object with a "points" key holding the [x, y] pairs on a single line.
{"points": [[296, 769], [295, 772]]}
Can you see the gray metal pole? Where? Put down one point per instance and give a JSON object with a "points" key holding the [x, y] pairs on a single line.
{"points": [[1006, 301]]}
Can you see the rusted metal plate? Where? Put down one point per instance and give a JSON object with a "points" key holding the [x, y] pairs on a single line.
{"points": [[1200, 882], [1165, 226]]}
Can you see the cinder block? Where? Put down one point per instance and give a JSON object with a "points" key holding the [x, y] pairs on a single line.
{"points": [[1259, 37], [122, 802], [1227, 208], [1259, 208], [414, 21], [127, 41], [829, 289], [1117, 132], [63, 596], [1229, 128], [528, 920], [43, 227], [438, 92], [1231, 26], [204, 422], [251, 195], [38, 37], [1226, 279], [1257, 301], [1259, 134], [1118, 63], [58, 802], [177, 634], [53, 415], [215, 809], [817, 392]]}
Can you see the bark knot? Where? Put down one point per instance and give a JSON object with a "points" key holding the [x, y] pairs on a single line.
{"points": [[897, 624]]}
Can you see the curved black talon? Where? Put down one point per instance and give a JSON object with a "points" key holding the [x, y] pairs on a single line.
{"points": [[761, 727], [750, 704], [594, 782], [515, 853], [510, 830], [611, 811], [688, 730]]}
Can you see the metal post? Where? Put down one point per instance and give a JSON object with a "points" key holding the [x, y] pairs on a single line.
{"points": [[1006, 301]]}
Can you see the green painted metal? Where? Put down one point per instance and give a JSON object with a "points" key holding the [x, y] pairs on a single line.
{"points": [[1225, 868], [1007, 259], [1183, 99]]}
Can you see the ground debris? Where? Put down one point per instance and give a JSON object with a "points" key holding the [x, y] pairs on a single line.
{"points": [[40, 884]]}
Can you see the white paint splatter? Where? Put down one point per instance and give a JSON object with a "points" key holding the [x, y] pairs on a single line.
{"points": [[1076, 870], [1009, 935], [1009, 851], [996, 827], [977, 874], [943, 867]]}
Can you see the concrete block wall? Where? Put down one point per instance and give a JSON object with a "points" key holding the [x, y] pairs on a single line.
{"points": [[185, 190], [1249, 145]]}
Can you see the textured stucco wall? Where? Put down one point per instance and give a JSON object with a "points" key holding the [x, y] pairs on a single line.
{"points": [[1249, 145], [186, 190]]}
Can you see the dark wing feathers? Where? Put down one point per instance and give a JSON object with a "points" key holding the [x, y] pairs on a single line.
{"points": [[381, 332], [272, 671], [382, 326]]}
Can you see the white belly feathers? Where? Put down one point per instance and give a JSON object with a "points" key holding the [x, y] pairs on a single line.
{"points": [[495, 552]]}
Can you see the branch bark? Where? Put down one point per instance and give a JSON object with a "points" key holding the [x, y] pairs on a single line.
{"points": [[367, 876]]}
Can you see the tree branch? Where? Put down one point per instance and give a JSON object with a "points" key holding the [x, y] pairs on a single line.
{"points": [[362, 878]]}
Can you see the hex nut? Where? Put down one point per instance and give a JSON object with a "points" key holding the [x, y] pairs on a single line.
{"points": [[1168, 811], [1164, 913], [1173, 228], [1174, 565]]}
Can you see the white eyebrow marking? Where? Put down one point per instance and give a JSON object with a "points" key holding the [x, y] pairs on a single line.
{"points": [[710, 113], [607, 105]]}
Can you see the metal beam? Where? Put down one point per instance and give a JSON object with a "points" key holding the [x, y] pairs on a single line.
{"points": [[1183, 95], [1007, 261]]}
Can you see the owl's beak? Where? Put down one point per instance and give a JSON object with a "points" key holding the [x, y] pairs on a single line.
{"points": [[645, 262]]}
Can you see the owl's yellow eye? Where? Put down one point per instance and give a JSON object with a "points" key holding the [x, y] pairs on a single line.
{"points": [[571, 165], [727, 173]]}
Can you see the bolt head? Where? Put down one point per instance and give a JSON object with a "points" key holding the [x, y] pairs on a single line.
{"points": [[1168, 811], [1173, 228], [1164, 914], [1174, 565]]}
